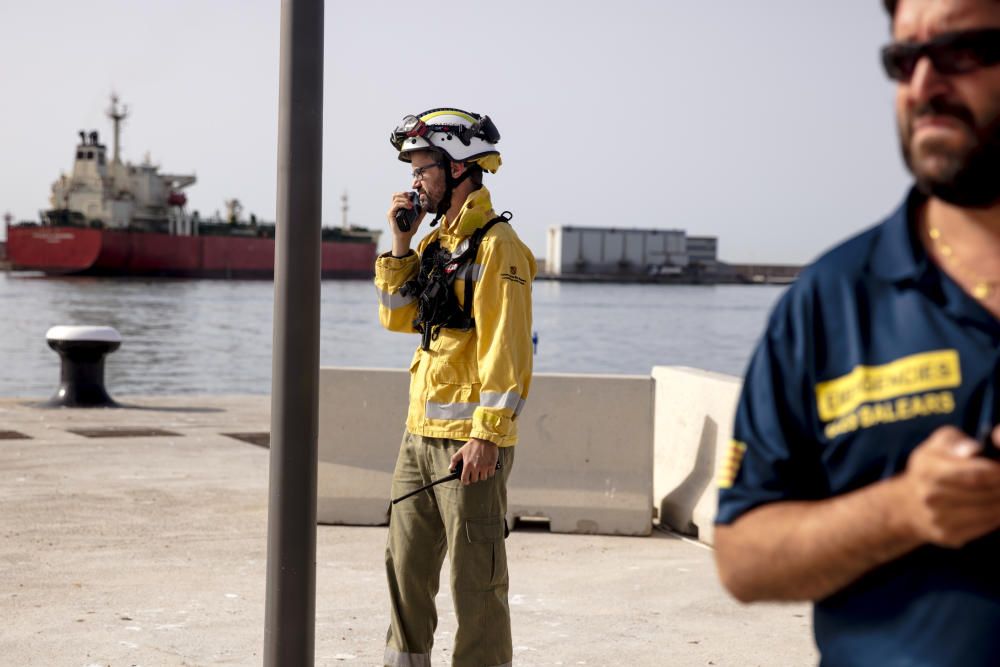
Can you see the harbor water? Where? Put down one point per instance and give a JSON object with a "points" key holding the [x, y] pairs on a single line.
{"points": [[214, 336]]}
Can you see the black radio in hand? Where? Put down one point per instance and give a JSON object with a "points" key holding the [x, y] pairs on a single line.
{"points": [[406, 216], [455, 473], [989, 450]]}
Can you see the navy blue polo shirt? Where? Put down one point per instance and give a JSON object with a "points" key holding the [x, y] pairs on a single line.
{"points": [[871, 350]]}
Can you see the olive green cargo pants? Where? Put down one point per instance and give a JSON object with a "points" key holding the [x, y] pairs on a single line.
{"points": [[467, 523]]}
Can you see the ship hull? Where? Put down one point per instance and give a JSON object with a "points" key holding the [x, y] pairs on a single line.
{"points": [[96, 252]]}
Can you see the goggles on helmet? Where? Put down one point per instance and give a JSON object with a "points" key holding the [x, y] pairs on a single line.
{"points": [[411, 126]]}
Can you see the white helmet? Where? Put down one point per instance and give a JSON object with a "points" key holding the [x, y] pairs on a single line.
{"points": [[460, 135]]}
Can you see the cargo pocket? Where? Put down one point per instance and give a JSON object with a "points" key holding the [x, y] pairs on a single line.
{"points": [[453, 372], [488, 565], [454, 391]]}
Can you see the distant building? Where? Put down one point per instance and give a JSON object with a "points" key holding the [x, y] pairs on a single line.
{"points": [[703, 250], [618, 251]]}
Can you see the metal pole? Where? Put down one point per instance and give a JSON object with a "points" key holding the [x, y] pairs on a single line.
{"points": [[290, 614]]}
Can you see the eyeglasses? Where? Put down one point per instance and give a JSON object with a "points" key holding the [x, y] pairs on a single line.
{"points": [[950, 53], [418, 173]]}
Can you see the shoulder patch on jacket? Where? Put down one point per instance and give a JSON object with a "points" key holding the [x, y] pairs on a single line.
{"points": [[512, 276]]}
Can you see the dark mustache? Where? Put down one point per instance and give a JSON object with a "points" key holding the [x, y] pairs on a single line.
{"points": [[939, 106]]}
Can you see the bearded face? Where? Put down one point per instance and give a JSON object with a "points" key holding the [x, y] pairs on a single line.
{"points": [[432, 181], [430, 196], [948, 98], [961, 165]]}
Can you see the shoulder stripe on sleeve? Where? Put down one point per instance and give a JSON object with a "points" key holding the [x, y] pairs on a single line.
{"points": [[731, 464]]}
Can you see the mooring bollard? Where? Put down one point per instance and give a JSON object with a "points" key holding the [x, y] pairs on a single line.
{"points": [[82, 351]]}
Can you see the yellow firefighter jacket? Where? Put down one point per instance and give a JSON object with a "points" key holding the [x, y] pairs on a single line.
{"points": [[469, 384]]}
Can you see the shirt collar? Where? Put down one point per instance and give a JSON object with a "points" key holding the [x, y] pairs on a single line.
{"points": [[898, 254], [899, 257], [476, 211]]}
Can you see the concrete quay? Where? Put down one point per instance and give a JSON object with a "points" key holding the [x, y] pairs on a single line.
{"points": [[136, 536]]}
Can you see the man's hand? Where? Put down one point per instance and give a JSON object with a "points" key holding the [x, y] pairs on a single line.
{"points": [[479, 460], [401, 239], [953, 492], [807, 550]]}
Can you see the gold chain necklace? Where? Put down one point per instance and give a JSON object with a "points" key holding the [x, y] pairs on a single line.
{"points": [[982, 288]]}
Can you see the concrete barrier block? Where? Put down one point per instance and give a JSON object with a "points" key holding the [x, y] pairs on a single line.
{"points": [[692, 428], [362, 415], [584, 461], [585, 456]]}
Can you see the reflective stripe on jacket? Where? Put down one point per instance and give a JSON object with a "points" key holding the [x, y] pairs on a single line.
{"points": [[470, 384]]}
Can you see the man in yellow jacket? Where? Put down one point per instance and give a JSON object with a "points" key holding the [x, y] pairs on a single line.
{"points": [[467, 292]]}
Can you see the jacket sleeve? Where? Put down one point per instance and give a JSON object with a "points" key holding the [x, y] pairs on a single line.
{"points": [[502, 309], [395, 311]]}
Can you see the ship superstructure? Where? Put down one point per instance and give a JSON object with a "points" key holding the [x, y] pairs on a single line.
{"points": [[103, 191]]}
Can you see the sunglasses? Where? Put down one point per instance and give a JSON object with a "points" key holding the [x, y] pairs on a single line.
{"points": [[950, 53]]}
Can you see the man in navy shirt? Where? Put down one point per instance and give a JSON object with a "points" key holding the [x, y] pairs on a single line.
{"points": [[861, 475]]}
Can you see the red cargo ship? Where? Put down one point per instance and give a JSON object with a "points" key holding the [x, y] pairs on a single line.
{"points": [[118, 219]]}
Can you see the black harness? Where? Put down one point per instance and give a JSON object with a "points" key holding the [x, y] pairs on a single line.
{"points": [[437, 304]]}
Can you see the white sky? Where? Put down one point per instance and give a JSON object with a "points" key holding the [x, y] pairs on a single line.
{"points": [[768, 124]]}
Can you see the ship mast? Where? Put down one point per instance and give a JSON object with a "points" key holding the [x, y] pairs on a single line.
{"points": [[343, 209], [117, 116]]}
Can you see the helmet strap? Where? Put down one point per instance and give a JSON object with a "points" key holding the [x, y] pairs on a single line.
{"points": [[450, 184]]}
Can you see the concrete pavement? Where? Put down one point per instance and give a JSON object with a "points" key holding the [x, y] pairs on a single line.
{"points": [[131, 548]]}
